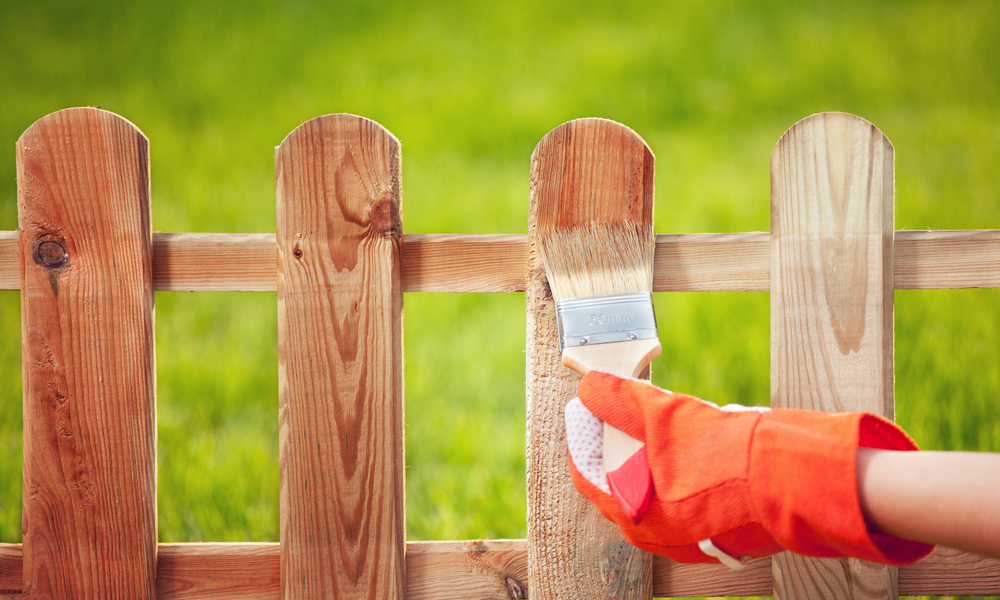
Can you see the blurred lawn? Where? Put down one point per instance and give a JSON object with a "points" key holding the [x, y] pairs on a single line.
{"points": [[470, 88]]}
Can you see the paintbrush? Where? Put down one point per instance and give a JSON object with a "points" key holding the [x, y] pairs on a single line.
{"points": [[601, 277]]}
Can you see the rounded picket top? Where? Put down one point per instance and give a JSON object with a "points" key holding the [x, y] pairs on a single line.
{"points": [[81, 160], [340, 122], [80, 118], [341, 159], [596, 128], [830, 159], [611, 162], [837, 124]]}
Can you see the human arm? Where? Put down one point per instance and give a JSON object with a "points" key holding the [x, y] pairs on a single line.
{"points": [[944, 498], [736, 482]]}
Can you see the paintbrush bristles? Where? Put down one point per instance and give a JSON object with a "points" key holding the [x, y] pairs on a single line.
{"points": [[598, 260]]}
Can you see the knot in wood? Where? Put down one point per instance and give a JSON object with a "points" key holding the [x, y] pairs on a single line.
{"points": [[385, 216], [50, 254], [514, 588]]}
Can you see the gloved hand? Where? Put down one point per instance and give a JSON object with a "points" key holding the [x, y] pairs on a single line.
{"points": [[737, 482]]}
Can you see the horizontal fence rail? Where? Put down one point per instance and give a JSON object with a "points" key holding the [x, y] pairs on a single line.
{"points": [[493, 570], [684, 262]]}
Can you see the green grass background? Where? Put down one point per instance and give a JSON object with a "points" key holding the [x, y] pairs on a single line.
{"points": [[469, 88]]}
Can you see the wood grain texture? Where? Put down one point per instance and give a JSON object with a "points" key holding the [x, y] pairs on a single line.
{"points": [[832, 303], [589, 170], [950, 572], [485, 569], [685, 262], [11, 573], [675, 579], [493, 570], [224, 262], [248, 571], [87, 347], [712, 262], [464, 263], [947, 259], [10, 264], [340, 303], [796, 576]]}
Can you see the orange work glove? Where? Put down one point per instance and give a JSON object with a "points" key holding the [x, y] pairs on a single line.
{"points": [[737, 482]]}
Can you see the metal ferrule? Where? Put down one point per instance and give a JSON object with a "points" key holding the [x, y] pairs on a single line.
{"points": [[604, 319]]}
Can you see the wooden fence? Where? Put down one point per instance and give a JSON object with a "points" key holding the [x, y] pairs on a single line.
{"points": [[87, 262]]}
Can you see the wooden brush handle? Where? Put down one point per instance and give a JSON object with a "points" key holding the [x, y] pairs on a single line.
{"points": [[625, 359]]}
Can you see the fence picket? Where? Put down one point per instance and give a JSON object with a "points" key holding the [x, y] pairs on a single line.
{"points": [[85, 248], [340, 303], [585, 170], [832, 303]]}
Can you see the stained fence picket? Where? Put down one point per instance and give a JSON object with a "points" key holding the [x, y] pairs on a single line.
{"points": [[340, 344], [588, 170], [87, 357]]}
